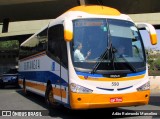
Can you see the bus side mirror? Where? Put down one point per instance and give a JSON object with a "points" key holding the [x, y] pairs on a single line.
{"points": [[68, 30], [151, 30]]}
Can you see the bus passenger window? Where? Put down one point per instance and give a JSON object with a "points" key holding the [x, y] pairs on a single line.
{"points": [[54, 36]]}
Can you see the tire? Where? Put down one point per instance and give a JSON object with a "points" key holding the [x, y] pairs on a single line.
{"points": [[49, 97]]}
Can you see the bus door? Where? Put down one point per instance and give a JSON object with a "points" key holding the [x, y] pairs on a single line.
{"points": [[57, 50], [64, 70]]}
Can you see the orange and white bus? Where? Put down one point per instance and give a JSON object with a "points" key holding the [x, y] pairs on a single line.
{"points": [[75, 60]]}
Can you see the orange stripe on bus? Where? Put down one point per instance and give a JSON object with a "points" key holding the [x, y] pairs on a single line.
{"points": [[20, 82], [111, 79], [37, 86], [59, 92], [41, 87]]}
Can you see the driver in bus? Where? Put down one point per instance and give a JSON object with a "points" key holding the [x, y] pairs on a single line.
{"points": [[78, 56], [121, 52]]}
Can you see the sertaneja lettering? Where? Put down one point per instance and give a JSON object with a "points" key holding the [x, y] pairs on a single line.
{"points": [[31, 65]]}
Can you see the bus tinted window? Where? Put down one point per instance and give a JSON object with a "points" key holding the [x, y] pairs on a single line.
{"points": [[57, 45]]}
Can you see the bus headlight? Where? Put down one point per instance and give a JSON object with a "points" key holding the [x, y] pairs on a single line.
{"points": [[145, 86], [79, 89]]}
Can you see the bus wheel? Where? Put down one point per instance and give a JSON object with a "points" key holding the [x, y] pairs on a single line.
{"points": [[49, 96]]}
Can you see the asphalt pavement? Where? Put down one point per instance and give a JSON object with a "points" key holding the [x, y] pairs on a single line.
{"points": [[33, 106]]}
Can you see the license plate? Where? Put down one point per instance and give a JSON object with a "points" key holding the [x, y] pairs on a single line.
{"points": [[117, 99]]}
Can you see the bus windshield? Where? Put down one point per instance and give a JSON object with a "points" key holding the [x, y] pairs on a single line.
{"points": [[113, 44]]}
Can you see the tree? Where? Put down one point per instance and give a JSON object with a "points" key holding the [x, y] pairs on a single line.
{"points": [[9, 45], [157, 63]]}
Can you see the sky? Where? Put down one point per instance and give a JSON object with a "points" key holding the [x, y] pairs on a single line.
{"points": [[146, 40]]}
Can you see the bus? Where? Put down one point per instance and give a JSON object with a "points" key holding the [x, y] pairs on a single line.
{"points": [[48, 63]]}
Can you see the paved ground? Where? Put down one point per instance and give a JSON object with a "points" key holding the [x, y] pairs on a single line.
{"points": [[14, 99]]}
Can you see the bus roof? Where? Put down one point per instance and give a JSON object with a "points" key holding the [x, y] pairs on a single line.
{"points": [[33, 35], [96, 9]]}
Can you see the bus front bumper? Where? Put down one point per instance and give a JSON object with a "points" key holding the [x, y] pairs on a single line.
{"points": [[90, 101]]}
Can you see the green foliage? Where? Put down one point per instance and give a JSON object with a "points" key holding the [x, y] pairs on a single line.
{"points": [[9, 45], [153, 60], [157, 63]]}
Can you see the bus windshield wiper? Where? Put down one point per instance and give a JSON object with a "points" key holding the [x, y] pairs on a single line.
{"points": [[107, 51], [99, 62], [129, 64]]}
